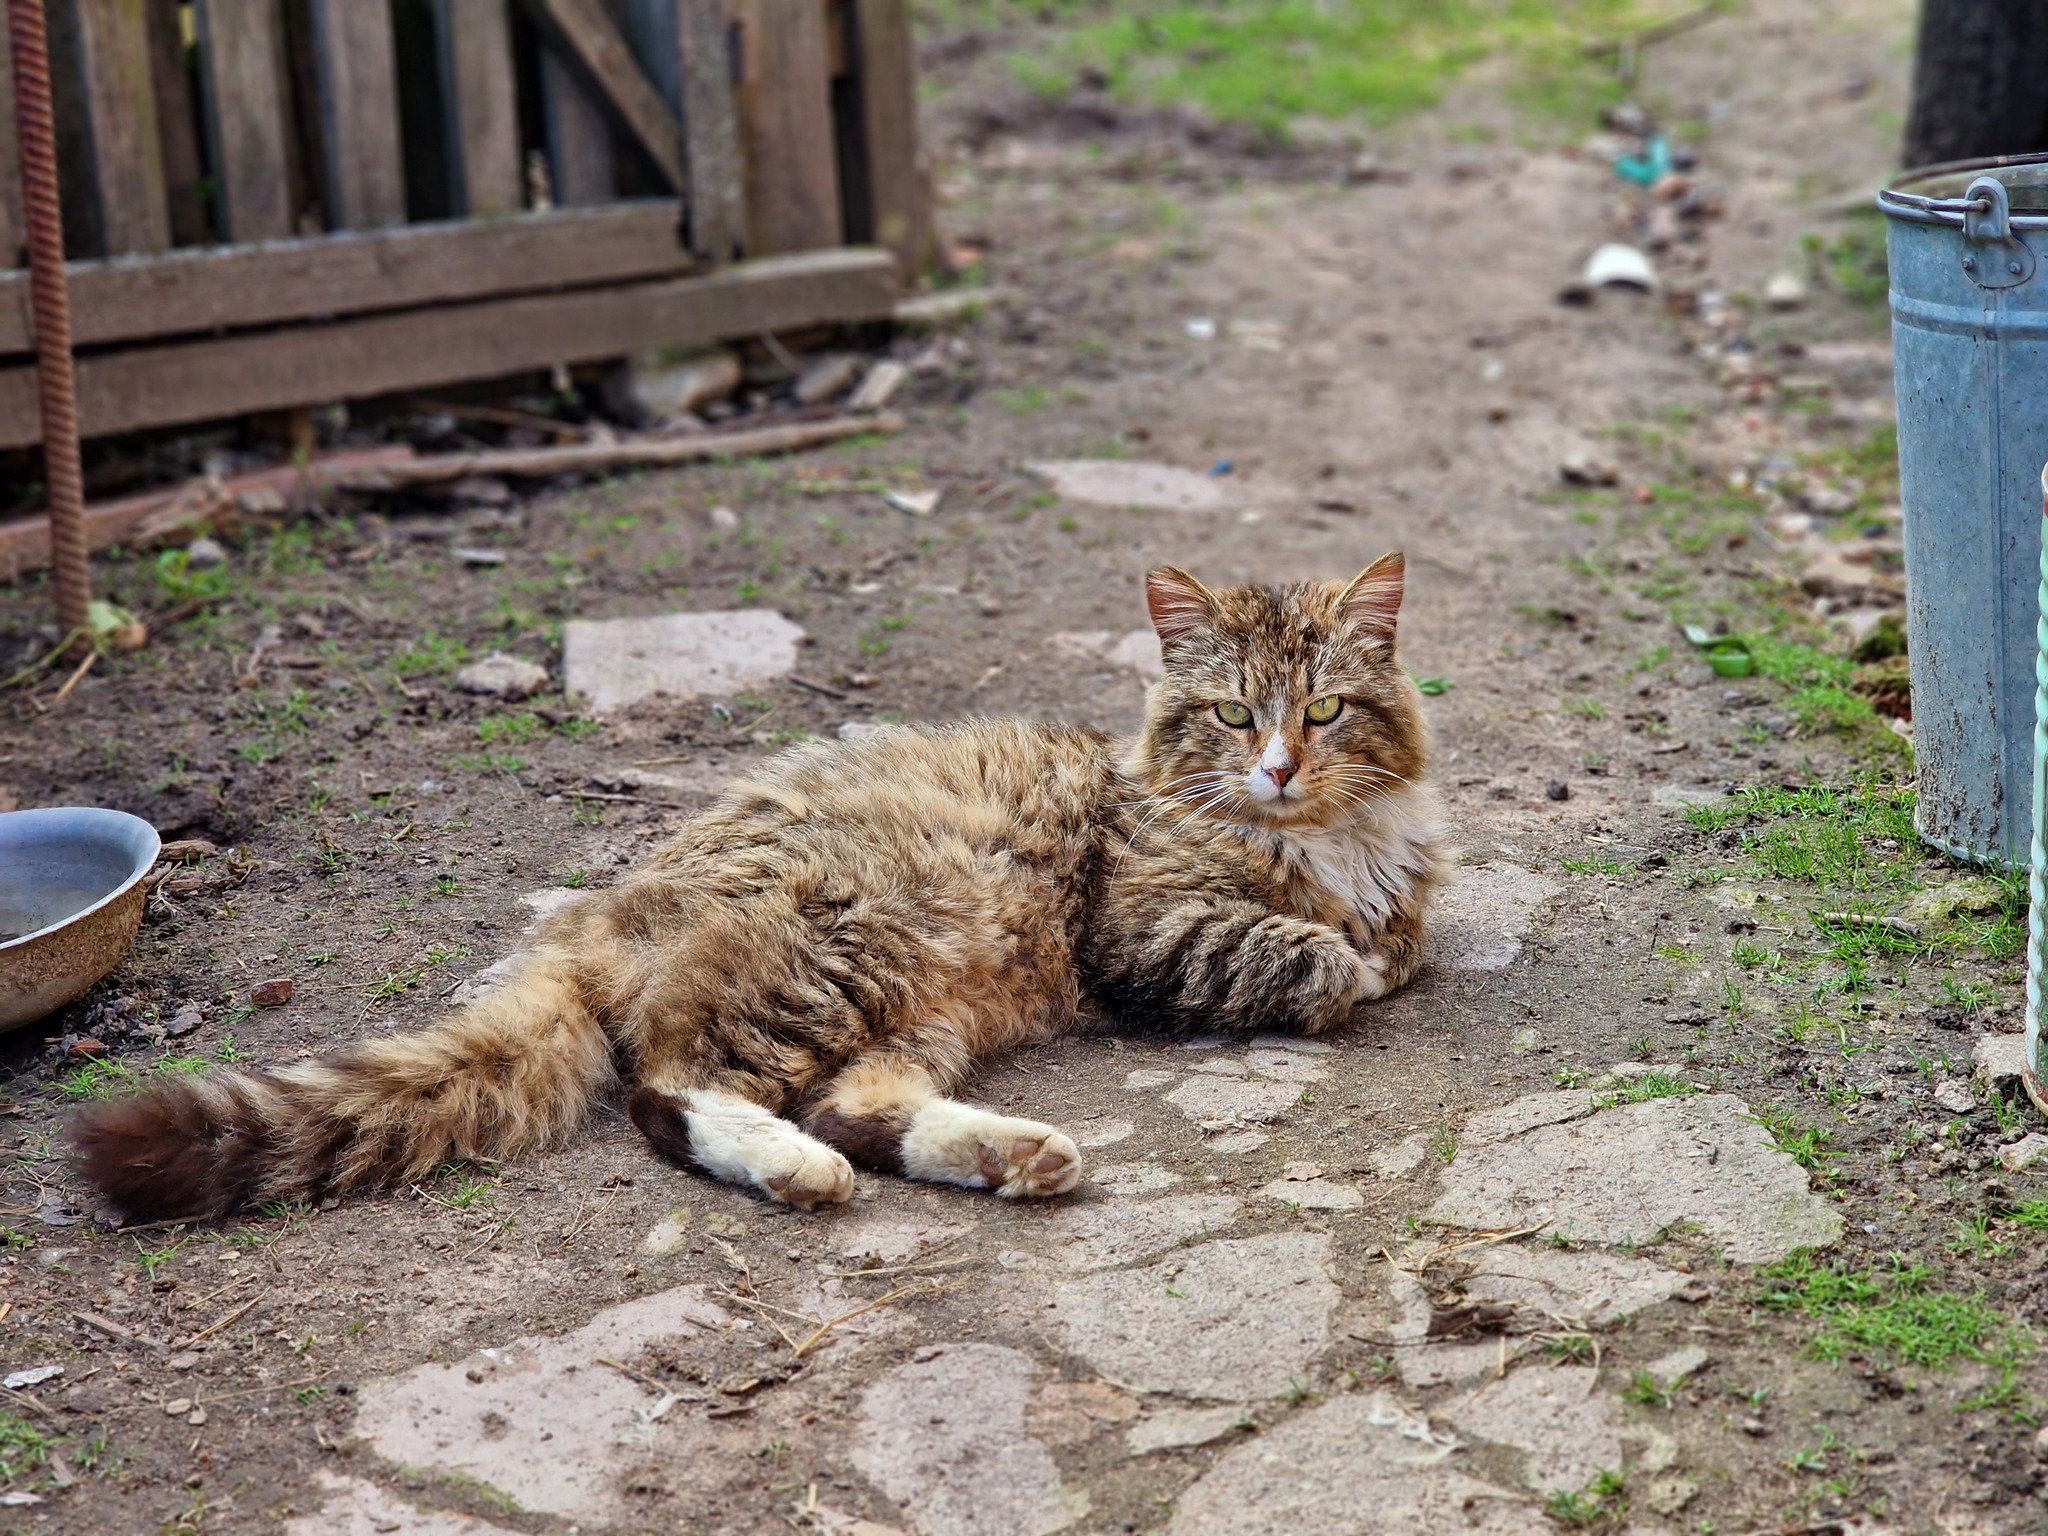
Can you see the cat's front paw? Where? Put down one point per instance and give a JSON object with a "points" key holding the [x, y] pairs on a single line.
{"points": [[1374, 979], [1040, 1163], [1018, 1159], [805, 1174]]}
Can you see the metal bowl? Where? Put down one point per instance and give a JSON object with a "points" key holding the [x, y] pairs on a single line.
{"points": [[70, 901]]}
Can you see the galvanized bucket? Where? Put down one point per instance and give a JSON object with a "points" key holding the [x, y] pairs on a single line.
{"points": [[1970, 346]]}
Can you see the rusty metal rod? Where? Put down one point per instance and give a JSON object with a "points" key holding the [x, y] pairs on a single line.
{"points": [[56, 379]]}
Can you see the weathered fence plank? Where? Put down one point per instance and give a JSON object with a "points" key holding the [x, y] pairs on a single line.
{"points": [[357, 63], [11, 232], [196, 381], [785, 120], [177, 127], [885, 65], [241, 52], [205, 290], [587, 29], [582, 159], [120, 102], [718, 198], [478, 85]]}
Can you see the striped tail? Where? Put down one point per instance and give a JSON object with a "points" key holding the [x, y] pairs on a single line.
{"points": [[514, 1071]]}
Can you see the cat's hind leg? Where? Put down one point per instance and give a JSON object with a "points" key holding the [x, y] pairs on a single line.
{"points": [[730, 1137], [886, 1112]]}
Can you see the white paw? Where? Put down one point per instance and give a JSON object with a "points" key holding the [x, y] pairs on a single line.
{"points": [[743, 1143], [1372, 980], [805, 1173], [959, 1144]]}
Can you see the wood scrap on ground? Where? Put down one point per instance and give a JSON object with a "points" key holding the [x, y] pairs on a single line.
{"points": [[626, 453]]}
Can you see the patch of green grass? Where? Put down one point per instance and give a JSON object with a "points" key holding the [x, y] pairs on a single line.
{"points": [[1268, 63], [432, 655], [511, 729], [1651, 1085], [1848, 939], [1603, 1501], [1898, 1311], [152, 1259], [1647, 1391], [1822, 696], [1805, 1145], [1570, 1348], [178, 582], [24, 1449], [2032, 1214], [1853, 261], [1593, 866], [1860, 836]]}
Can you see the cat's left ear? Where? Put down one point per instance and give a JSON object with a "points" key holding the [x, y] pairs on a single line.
{"points": [[1180, 604], [1373, 600]]}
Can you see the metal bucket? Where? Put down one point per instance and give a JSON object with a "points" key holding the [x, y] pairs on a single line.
{"points": [[1970, 344]]}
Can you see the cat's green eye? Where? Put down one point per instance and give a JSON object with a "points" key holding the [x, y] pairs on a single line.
{"points": [[1232, 713], [1325, 709]]}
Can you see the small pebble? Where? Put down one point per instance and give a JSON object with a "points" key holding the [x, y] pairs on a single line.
{"points": [[272, 994], [1557, 789]]}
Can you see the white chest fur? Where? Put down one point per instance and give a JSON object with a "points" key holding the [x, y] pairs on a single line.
{"points": [[1373, 862]]}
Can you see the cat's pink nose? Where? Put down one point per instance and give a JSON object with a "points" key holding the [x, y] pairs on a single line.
{"points": [[1280, 775]]}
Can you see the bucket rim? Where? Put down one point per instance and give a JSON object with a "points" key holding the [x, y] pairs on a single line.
{"points": [[1896, 201]]}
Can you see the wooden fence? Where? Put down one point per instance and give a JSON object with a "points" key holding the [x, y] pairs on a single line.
{"points": [[277, 203]]}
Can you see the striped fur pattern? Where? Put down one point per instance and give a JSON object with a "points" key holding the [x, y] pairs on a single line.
{"points": [[801, 978]]}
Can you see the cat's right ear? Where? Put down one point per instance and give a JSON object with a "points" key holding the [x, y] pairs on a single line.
{"points": [[1180, 604]]}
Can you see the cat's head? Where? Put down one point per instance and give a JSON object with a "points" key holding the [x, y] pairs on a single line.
{"points": [[1281, 706]]}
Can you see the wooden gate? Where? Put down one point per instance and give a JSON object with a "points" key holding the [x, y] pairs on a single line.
{"points": [[277, 203]]}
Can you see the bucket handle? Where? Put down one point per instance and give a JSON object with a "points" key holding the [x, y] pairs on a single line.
{"points": [[1993, 256], [1952, 211]]}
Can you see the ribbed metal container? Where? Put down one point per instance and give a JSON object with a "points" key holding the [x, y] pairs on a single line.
{"points": [[1970, 343]]}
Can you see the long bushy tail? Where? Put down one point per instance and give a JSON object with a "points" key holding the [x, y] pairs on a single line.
{"points": [[511, 1072]]}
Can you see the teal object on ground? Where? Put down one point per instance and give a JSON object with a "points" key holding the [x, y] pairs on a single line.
{"points": [[1648, 168], [1970, 336]]}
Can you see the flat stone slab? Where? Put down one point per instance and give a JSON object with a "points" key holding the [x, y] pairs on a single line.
{"points": [[539, 1419], [1355, 1466], [1232, 1320], [1314, 1194], [1623, 1174], [1134, 1178], [354, 1507], [1285, 1066], [1104, 1236], [1216, 1101], [1478, 922], [1551, 1413], [1100, 1132], [1132, 483], [617, 662], [1403, 1157], [944, 1437], [1173, 1429], [1582, 1286], [1135, 651]]}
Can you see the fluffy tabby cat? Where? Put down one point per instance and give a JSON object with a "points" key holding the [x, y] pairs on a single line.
{"points": [[804, 973]]}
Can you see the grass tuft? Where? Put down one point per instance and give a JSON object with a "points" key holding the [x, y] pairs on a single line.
{"points": [[1898, 1311]]}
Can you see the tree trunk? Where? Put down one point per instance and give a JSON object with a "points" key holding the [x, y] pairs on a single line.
{"points": [[1980, 81]]}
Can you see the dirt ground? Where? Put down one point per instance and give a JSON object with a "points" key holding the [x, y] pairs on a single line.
{"points": [[594, 1340]]}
